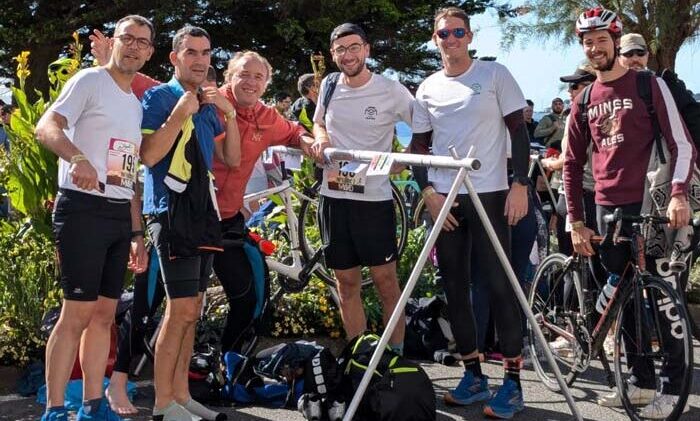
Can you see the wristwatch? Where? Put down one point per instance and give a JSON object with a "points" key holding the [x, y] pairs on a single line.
{"points": [[231, 115], [521, 179]]}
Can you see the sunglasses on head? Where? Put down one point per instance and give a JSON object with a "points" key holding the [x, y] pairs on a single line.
{"points": [[638, 53], [445, 33]]}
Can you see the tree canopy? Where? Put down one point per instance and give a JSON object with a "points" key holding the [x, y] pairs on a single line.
{"points": [[665, 24], [284, 31]]}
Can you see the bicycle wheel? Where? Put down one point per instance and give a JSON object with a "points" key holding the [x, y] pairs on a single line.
{"points": [[310, 233], [421, 216], [653, 349], [555, 299]]}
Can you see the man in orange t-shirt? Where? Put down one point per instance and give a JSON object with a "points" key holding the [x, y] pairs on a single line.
{"points": [[260, 127]]}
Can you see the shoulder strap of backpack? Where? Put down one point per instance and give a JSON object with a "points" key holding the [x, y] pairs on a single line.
{"points": [[329, 85], [644, 91], [583, 110]]}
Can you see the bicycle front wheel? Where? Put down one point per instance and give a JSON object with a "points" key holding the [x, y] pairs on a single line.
{"points": [[653, 350], [556, 300]]}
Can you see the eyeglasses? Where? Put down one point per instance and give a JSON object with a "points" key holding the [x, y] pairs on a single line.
{"points": [[638, 53], [128, 40], [457, 32], [353, 48]]}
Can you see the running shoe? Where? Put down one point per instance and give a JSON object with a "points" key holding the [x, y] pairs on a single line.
{"points": [[660, 407], [55, 414], [637, 397], [469, 390], [507, 402]]}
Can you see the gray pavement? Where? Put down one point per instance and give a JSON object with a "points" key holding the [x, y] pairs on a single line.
{"points": [[541, 403]]}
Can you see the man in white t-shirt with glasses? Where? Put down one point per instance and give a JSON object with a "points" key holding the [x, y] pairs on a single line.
{"points": [[471, 103], [95, 129], [358, 209]]}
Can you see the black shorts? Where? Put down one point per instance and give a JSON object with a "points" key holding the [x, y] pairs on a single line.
{"points": [[183, 276], [93, 237], [360, 233]]}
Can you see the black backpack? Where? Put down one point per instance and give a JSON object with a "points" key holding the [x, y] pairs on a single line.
{"points": [[399, 390], [329, 84], [688, 107]]}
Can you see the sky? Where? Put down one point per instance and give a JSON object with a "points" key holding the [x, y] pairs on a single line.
{"points": [[537, 66]]}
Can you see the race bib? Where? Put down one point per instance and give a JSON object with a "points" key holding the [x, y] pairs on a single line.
{"points": [[122, 163], [348, 177]]}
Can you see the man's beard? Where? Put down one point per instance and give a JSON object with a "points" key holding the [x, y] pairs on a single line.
{"points": [[360, 68], [607, 66]]}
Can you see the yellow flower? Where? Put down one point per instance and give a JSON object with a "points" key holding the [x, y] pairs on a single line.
{"points": [[22, 66]]}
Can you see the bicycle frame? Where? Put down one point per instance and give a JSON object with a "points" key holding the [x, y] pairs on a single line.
{"points": [[285, 192]]}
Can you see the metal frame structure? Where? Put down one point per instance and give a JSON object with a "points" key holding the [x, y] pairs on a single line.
{"points": [[464, 165]]}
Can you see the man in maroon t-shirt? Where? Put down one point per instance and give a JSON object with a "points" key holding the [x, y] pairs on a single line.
{"points": [[621, 131]]}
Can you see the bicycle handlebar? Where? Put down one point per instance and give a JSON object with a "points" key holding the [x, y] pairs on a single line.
{"points": [[335, 154], [618, 216]]}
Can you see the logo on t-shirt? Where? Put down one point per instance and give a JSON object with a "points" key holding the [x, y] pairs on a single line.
{"points": [[476, 87], [370, 113], [608, 121]]}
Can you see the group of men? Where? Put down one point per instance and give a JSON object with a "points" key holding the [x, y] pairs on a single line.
{"points": [[192, 138]]}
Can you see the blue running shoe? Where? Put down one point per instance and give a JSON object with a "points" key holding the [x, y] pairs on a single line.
{"points": [[469, 390], [55, 414], [103, 413], [507, 402]]}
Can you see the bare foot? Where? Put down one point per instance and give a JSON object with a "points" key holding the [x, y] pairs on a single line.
{"points": [[119, 401]]}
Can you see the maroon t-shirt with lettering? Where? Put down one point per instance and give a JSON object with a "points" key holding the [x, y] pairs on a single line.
{"points": [[621, 131]]}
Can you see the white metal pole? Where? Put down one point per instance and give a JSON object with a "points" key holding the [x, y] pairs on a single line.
{"points": [[516, 288], [408, 289]]}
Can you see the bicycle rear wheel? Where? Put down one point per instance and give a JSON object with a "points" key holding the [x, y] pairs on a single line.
{"points": [[311, 234], [653, 350], [556, 300]]}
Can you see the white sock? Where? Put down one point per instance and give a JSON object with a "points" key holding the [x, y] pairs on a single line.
{"points": [[173, 412], [203, 412]]}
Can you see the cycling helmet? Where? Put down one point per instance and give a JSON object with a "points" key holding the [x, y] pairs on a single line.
{"points": [[597, 19]]}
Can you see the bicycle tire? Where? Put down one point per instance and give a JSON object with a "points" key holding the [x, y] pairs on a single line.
{"points": [[649, 310], [550, 278], [308, 225]]}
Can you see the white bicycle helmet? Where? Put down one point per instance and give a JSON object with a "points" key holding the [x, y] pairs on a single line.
{"points": [[598, 19]]}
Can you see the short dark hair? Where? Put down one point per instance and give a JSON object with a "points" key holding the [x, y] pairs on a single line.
{"points": [[347, 28], [530, 103], [305, 83], [557, 99], [451, 11], [281, 96], [193, 31], [140, 20]]}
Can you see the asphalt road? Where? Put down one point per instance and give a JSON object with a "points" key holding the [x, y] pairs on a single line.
{"points": [[542, 405]]}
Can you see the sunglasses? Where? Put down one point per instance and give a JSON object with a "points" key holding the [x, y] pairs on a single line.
{"points": [[575, 85], [457, 32], [638, 53]]}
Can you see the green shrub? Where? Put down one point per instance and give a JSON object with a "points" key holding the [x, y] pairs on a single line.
{"points": [[27, 287]]}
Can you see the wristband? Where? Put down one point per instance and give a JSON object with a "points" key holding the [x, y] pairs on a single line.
{"points": [[137, 233], [577, 225], [427, 192], [77, 158], [231, 115]]}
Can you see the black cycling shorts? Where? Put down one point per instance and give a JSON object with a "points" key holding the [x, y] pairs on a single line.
{"points": [[360, 233], [93, 236], [183, 276]]}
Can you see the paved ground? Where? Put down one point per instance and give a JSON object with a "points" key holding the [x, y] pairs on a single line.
{"points": [[541, 403]]}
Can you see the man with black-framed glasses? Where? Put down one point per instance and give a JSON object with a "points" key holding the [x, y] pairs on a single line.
{"points": [[359, 112], [94, 128]]}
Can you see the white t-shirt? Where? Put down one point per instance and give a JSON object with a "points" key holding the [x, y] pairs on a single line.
{"points": [[465, 111], [362, 118], [104, 122]]}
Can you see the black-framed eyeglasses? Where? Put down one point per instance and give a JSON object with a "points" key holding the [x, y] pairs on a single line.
{"points": [[128, 40], [354, 48], [457, 32], [638, 53]]}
